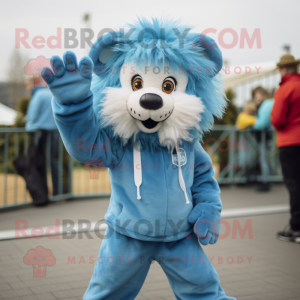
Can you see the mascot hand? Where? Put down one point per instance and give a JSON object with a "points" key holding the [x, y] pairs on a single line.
{"points": [[68, 82], [206, 219]]}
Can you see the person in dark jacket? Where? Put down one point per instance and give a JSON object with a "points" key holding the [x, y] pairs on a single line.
{"points": [[285, 118], [33, 167]]}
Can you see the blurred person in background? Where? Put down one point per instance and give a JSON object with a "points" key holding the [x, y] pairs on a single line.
{"points": [[33, 167], [286, 119], [247, 117], [264, 102]]}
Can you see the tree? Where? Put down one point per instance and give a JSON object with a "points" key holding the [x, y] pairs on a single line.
{"points": [[218, 157], [16, 77], [231, 111]]}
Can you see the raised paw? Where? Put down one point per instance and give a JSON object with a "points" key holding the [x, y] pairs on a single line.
{"points": [[68, 82]]}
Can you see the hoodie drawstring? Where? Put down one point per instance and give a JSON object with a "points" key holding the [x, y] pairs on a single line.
{"points": [[181, 180], [138, 171]]}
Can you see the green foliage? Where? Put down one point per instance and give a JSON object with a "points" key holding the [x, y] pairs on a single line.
{"points": [[22, 111], [231, 112], [23, 105], [229, 118]]}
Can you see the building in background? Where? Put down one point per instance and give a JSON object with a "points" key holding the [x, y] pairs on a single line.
{"points": [[243, 79]]}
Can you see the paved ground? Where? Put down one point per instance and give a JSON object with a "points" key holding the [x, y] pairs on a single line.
{"points": [[250, 268], [94, 210]]}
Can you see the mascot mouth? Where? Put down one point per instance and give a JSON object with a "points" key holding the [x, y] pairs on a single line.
{"points": [[149, 123]]}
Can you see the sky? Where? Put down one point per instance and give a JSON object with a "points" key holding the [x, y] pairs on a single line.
{"points": [[277, 21]]}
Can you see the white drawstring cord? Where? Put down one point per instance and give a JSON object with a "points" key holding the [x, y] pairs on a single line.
{"points": [[181, 180], [137, 167], [138, 170]]}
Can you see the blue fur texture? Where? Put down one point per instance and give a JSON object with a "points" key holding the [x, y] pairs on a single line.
{"points": [[192, 58]]}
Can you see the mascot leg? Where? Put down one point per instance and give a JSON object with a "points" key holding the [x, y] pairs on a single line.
{"points": [[121, 268], [189, 271]]}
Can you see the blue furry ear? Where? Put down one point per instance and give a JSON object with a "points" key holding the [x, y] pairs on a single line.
{"points": [[211, 49], [102, 51]]}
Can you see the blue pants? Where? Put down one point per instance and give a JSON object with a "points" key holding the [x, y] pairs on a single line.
{"points": [[124, 262]]}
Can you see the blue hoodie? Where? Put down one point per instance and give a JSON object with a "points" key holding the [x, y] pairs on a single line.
{"points": [[39, 113], [263, 120], [162, 212]]}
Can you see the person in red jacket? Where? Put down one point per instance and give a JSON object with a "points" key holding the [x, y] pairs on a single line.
{"points": [[285, 117]]}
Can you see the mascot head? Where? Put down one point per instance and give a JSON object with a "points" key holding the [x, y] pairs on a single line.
{"points": [[157, 82]]}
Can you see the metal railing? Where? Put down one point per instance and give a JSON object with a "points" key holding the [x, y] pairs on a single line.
{"points": [[74, 181], [228, 148], [246, 153]]}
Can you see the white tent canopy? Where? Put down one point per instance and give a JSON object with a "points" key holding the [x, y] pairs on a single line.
{"points": [[235, 75], [7, 115]]}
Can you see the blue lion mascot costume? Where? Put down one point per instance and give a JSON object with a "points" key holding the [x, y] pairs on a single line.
{"points": [[139, 105]]}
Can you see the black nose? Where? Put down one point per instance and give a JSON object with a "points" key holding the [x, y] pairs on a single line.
{"points": [[151, 101]]}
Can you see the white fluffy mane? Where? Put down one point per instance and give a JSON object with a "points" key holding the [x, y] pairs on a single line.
{"points": [[185, 116]]}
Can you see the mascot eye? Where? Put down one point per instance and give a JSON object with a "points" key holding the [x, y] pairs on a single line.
{"points": [[169, 85], [137, 83]]}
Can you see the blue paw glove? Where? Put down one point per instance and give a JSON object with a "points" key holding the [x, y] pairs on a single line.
{"points": [[206, 219], [68, 82]]}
